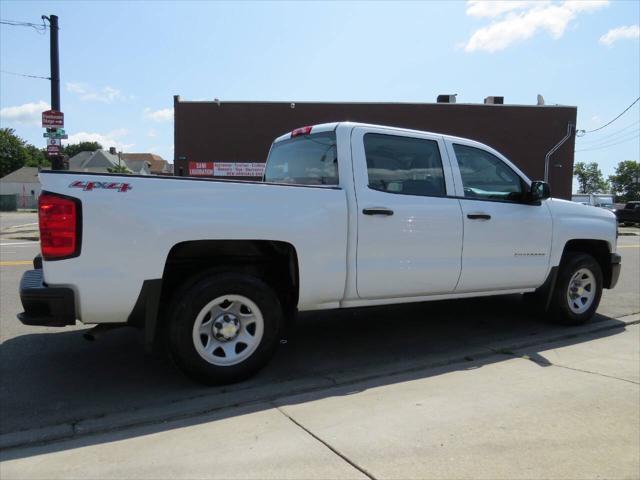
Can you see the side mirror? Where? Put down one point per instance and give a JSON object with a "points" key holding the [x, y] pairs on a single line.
{"points": [[539, 191]]}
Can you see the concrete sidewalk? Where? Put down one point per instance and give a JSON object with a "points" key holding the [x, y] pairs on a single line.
{"points": [[562, 410]]}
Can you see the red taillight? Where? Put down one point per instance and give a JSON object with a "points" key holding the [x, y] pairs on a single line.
{"points": [[59, 219], [301, 131]]}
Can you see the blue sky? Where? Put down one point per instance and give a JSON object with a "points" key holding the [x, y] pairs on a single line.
{"points": [[122, 62]]}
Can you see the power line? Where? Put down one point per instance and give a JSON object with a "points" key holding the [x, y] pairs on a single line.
{"points": [[609, 123], [616, 141], [25, 75], [636, 135], [612, 136], [40, 28]]}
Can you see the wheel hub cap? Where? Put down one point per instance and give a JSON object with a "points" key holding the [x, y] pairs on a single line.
{"points": [[228, 330], [225, 327], [582, 291]]}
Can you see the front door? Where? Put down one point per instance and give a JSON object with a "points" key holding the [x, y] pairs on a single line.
{"points": [[507, 242]]}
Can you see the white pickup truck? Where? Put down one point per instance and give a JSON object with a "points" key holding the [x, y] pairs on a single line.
{"points": [[347, 215]]}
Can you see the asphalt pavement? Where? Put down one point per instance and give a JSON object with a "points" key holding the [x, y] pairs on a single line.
{"points": [[9, 220], [56, 385]]}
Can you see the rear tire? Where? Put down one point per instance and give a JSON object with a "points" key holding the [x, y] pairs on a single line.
{"points": [[577, 291], [224, 328]]}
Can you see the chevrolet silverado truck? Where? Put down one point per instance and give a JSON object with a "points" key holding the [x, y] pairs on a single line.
{"points": [[347, 215]]}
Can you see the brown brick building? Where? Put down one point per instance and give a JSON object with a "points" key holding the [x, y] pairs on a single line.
{"points": [[241, 132]]}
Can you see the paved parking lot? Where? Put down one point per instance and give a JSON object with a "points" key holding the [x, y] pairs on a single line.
{"points": [[340, 383]]}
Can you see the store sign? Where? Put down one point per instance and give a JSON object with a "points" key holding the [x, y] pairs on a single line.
{"points": [[226, 169], [201, 169]]}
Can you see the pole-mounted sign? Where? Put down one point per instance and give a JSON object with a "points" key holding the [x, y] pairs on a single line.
{"points": [[55, 133], [52, 119], [54, 150]]}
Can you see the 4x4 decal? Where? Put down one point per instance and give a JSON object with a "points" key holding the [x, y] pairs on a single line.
{"points": [[88, 186]]}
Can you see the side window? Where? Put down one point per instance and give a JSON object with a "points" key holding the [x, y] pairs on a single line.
{"points": [[486, 177], [405, 165]]}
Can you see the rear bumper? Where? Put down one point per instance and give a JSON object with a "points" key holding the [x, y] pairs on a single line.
{"points": [[616, 265], [43, 305]]}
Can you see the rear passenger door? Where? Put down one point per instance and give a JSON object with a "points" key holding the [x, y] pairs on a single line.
{"points": [[409, 231]]}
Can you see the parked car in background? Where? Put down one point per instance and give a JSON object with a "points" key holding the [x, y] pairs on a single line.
{"points": [[602, 200], [630, 214]]}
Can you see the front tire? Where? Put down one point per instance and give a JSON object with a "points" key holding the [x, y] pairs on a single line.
{"points": [[223, 328], [577, 291]]}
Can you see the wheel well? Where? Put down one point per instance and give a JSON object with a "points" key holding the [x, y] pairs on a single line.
{"points": [[274, 262], [598, 249]]}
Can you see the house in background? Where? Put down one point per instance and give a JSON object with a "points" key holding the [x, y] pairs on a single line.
{"points": [[101, 161], [157, 164], [24, 184]]}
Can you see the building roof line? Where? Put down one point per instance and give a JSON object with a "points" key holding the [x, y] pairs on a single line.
{"points": [[309, 102]]}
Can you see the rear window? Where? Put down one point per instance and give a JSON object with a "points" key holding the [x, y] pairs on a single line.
{"points": [[305, 160]]}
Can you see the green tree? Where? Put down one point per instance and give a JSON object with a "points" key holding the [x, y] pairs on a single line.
{"points": [[13, 153], [590, 178], [75, 148], [36, 157], [626, 181], [119, 169]]}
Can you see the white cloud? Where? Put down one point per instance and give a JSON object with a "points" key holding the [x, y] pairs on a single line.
{"points": [[110, 139], [86, 92], [162, 115], [495, 8], [26, 114], [513, 25], [629, 32], [152, 133]]}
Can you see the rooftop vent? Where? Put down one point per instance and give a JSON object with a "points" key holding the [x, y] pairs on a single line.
{"points": [[112, 150], [494, 100], [447, 98]]}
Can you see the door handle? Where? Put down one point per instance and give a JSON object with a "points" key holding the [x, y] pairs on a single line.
{"points": [[478, 216], [377, 211]]}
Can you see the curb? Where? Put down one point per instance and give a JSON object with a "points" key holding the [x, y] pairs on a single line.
{"points": [[205, 404]]}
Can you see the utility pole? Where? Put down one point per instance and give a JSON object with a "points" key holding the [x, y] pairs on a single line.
{"points": [[55, 62], [57, 162]]}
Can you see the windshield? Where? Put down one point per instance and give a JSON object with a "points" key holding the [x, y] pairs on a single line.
{"points": [[306, 160]]}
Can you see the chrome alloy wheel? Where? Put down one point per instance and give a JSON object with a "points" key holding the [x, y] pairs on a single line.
{"points": [[582, 291], [228, 330]]}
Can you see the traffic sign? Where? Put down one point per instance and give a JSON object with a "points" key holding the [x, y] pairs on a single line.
{"points": [[52, 119], [62, 135], [54, 141], [53, 150]]}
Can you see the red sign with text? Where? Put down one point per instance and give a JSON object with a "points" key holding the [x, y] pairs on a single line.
{"points": [[53, 150], [201, 169], [52, 119]]}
